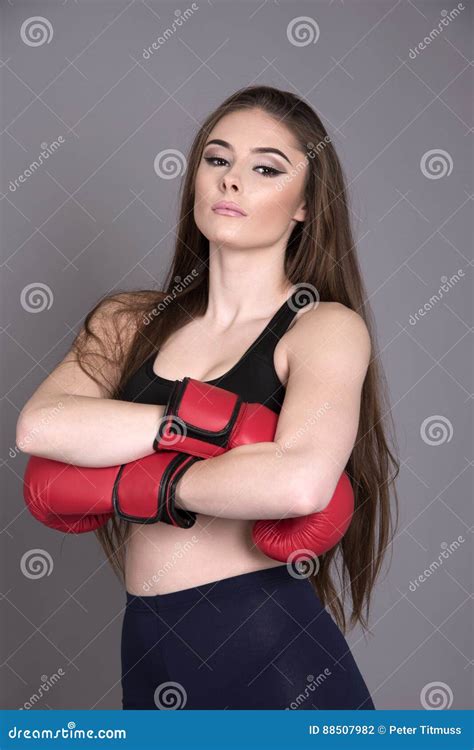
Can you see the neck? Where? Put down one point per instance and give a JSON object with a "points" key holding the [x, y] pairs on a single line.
{"points": [[241, 291]]}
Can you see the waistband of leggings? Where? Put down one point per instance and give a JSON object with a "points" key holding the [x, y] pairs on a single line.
{"points": [[224, 587]]}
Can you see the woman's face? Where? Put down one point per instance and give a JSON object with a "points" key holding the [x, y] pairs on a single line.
{"points": [[267, 186]]}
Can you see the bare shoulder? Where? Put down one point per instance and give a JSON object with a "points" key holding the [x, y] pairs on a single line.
{"points": [[329, 330]]}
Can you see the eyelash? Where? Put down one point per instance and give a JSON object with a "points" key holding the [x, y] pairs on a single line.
{"points": [[273, 172]]}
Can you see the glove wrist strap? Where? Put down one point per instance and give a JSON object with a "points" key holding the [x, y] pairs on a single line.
{"points": [[176, 429]]}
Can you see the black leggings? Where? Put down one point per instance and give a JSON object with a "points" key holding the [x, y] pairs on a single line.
{"points": [[259, 640]]}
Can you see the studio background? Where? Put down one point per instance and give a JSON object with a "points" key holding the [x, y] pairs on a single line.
{"points": [[117, 117]]}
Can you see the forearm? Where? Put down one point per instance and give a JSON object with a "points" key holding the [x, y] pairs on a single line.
{"points": [[247, 482], [88, 431]]}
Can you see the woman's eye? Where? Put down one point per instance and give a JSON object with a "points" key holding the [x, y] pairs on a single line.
{"points": [[212, 159], [271, 171]]}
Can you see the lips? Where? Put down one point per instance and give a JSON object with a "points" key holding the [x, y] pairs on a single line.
{"points": [[228, 208]]}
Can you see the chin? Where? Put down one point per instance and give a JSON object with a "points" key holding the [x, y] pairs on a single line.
{"points": [[220, 232], [229, 238]]}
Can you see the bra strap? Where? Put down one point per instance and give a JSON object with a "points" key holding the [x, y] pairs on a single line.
{"points": [[281, 320]]}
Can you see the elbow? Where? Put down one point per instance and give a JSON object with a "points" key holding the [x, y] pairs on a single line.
{"points": [[24, 434], [307, 498], [296, 491], [306, 483]]}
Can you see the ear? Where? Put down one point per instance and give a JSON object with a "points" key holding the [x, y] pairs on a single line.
{"points": [[300, 214]]}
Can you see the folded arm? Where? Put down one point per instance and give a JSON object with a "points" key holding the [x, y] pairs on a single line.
{"points": [[297, 473]]}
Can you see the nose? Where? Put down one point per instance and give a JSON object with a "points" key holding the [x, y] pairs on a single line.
{"points": [[231, 181]]}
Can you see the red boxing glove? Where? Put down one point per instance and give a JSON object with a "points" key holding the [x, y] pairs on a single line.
{"points": [[76, 499], [145, 489], [316, 533], [66, 497], [136, 497], [205, 420]]}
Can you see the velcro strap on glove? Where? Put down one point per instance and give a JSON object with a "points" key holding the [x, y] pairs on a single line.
{"points": [[199, 419], [145, 493]]}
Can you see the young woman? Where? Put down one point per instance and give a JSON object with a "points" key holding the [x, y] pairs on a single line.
{"points": [[264, 299]]}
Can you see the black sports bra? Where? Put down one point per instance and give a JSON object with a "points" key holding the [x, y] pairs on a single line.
{"points": [[253, 377]]}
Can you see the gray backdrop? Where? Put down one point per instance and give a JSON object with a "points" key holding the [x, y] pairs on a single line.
{"points": [[99, 213]]}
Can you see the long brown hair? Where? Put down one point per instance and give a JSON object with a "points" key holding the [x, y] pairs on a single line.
{"points": [[320, 252]]}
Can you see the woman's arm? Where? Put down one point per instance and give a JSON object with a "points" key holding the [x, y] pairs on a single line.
{"points": [[89, 431], [297, 474], [71, 418]]}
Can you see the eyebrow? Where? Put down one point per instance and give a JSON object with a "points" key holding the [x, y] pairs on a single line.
{"points": [[260, 150]]}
